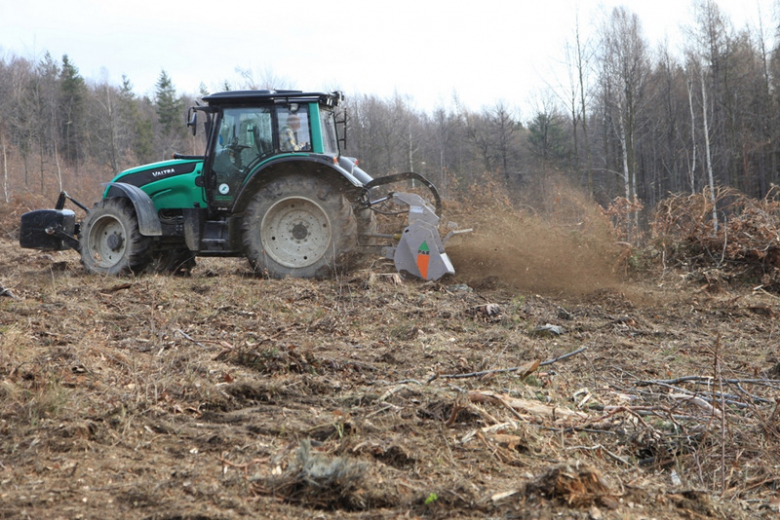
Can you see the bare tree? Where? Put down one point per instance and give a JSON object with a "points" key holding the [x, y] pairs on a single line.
{"points": [[692, 168], [578, 58], [446, 135], [709, 52], [41, 114], [478, 134], [708, 154], [5, 98], [268, 79], [4, 157], [625, 66], [505, 128], [107, 125]]}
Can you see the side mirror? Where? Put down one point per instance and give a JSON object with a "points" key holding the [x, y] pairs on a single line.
{"points": [[192, 120]]}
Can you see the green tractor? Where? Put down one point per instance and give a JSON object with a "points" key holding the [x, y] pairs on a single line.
{"points": [[272, 186]]}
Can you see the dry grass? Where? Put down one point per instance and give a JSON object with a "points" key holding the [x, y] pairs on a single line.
{"points": [[222, 395]]}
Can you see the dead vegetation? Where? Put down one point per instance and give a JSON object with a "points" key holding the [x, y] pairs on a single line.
{"points": [[509, 391], [744, 246]]}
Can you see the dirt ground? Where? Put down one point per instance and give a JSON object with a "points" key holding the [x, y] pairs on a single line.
{"points": [[222, 395]]}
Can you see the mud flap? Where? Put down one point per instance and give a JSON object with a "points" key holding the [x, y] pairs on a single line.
{"points": [[148, 222]]}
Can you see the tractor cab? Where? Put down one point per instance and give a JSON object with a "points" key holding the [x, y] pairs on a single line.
{"points": [[250, 130]]}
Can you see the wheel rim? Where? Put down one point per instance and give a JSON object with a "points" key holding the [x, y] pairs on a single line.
{"points": [[296, 232], [107, 242]]}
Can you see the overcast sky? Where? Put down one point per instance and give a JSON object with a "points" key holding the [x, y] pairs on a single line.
{"points": [[482, 50]]}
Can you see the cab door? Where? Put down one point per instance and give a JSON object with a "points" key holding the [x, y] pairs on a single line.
{"points": [[243, 139]]}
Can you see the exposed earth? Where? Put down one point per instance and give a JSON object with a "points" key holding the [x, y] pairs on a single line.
{"points": [[222, 395]]}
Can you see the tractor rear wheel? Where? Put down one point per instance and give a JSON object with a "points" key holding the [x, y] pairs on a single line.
{"points": [[367, 225], [299, 226], [110, 241]]}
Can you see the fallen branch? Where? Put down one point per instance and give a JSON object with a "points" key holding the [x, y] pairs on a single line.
{"points": [[389, 406], [698, 401], [244, 467], [760, 288], [601, 448], [774, 383], [729, 398], [392, 391], [189, 337], [489, 429], [561, 358], [527, 369], [533, 408], [116, 288]]}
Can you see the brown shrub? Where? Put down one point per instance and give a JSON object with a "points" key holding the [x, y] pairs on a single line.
{"points": [[746, 239]]}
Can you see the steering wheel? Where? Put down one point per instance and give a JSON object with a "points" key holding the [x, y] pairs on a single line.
{"points": [[235, 147]]}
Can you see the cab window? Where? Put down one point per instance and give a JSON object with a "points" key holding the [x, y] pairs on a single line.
{"points": [[294, 134], [329, 138], [244, 138]]}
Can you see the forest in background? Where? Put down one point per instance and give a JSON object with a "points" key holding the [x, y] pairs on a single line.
{"points": [[636, 122]]}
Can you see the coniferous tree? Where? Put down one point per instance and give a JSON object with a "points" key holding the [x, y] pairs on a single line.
{"points": [[505, 129], [72, 107], [139, 134], [547, 138], [169, 108]]}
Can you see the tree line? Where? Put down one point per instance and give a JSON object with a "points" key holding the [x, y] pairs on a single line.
{"points": [[633, 121], [56, 128]]}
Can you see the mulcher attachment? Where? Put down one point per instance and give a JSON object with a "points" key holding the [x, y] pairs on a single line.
{"points": [[419, 250]]}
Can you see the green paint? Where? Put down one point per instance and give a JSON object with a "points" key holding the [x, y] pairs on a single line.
{"points": [[178, 191], [316, 130]]}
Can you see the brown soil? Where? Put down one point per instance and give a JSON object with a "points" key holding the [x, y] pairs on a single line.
{"points": [[222, 395]]}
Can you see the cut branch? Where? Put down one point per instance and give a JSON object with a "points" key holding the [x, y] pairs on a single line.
{"points": [[526, 370]]}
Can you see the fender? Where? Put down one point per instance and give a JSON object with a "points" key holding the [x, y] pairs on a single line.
{"points": [[315, 165], [148, 223]]}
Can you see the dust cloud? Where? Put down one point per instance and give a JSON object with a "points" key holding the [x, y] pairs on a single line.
{"points": [[535, 254]]}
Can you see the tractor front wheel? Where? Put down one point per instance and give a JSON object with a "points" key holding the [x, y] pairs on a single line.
{"points": [[110, 241], [299, 226]]}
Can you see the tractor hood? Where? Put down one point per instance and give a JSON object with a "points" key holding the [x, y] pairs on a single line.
{"points": [[169, 184], [143, 175]]}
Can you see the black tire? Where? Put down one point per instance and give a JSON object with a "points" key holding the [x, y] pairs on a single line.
{"points": [[110, 241], [366, 224], [299, 226]]}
